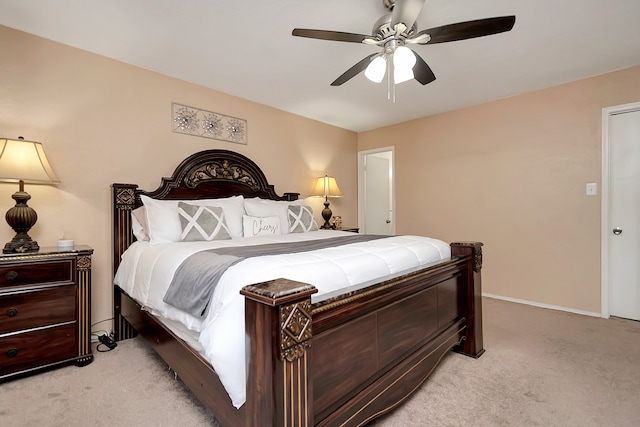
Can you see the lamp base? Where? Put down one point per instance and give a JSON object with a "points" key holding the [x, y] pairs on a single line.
{"points": [[21, 245], [326, 215], [21, 218]]}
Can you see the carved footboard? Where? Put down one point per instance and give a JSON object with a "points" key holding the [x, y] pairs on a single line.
{"points": [[348, 360]]}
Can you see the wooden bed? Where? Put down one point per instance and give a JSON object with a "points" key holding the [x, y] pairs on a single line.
{"points": [[342, 361]]}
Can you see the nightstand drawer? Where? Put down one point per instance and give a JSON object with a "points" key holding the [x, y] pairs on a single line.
{"points": [[37, 348], [25, 310], [36, 273]]}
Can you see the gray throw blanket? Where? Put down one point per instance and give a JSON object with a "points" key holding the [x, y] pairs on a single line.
{"points": [[196, 278]]}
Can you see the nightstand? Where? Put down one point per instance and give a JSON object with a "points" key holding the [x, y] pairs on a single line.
{"points": [[45, 306], [352, 229]]}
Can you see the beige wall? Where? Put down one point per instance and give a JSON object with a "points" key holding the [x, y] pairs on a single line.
{"points": [[512, 174], [103, 121]]}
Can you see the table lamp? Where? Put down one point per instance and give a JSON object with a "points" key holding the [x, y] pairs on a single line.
{"points": [[23, 161], [326, 186]]}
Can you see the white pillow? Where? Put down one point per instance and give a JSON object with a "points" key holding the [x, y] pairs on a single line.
{"points": [[261, 226], [265, 207], [164, 223], [139, 224], [301, 219], [202, 223]]}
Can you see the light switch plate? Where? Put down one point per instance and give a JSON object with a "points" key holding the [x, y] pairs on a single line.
{"points": [[592, 189]]}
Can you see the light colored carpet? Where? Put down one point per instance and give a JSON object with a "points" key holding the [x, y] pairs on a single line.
{"points": [[541, 368], [128, 386]]}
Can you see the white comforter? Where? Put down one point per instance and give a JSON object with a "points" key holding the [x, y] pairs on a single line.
{"points": [[146, 272]]}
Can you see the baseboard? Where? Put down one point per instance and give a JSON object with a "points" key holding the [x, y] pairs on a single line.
{"points": [[537, 304]]}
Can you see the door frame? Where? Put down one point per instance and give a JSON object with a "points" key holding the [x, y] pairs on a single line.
{"points": [[605, 224], [361, 195]]}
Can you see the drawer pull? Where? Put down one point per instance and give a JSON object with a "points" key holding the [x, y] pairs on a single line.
{"points": [[12, 352], [11, 275], [12, 312]]}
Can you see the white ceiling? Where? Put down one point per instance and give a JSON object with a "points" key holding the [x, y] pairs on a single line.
{"points": [[245, 48]]}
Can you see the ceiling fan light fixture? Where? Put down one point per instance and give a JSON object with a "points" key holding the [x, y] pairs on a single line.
{"points": [[403, 62], [376, 69], [403, 58], [401, 75], [398, 28]]}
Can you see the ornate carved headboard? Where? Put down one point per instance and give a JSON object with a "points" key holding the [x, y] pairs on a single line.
{"points": [[204, 175]]}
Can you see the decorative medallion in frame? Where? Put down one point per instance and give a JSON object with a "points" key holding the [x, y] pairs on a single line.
{"points": [[194, 121]]}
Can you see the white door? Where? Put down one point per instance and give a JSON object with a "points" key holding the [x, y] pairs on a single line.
{"points": [[375, 199], [623, 226]]}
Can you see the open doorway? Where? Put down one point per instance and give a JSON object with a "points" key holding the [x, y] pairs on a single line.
{"points": [[620, 211], [376, 201]]}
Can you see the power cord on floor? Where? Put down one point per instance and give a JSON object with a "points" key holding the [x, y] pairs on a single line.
{"points": [[107, 342]]}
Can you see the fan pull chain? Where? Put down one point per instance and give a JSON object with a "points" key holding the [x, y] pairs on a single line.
{"points": [[391, 87]]}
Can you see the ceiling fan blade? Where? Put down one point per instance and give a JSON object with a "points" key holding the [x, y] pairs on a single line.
{"points": [[337, 36], [422, 72], [406, 11], [354, 71], [469, 29]]}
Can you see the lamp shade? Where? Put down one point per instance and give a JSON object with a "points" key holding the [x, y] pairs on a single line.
{"points": [[403, 62], [376, 70], [25, 161], [404, 58], [401, 75], [326, 186]]}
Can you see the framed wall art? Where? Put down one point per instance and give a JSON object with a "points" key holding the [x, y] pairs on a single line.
{"points": [[208, 124]]}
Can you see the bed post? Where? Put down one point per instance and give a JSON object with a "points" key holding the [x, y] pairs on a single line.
{"points": [[124, 201], [278, 327], [472, 344]]}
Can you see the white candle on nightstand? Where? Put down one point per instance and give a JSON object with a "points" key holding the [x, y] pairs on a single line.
{"points": [[65, 244]]}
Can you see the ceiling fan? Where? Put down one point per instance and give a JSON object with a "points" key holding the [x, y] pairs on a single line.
{"points": [[396, 29]]}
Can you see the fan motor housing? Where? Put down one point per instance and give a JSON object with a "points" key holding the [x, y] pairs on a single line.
{"points": [[382, 29]]}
